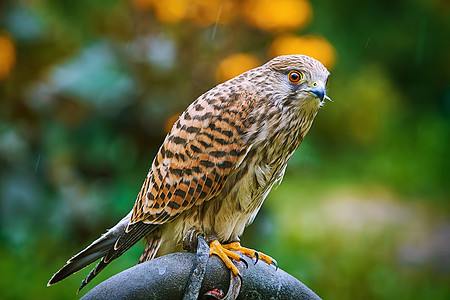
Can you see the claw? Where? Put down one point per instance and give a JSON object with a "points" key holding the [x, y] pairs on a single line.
{"points": [[256, 257], [225, 253], [244, 262], [235, 246], [275, 263]]}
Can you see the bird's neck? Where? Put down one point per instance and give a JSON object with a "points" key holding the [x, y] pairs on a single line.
{"points": [[280, 130]]}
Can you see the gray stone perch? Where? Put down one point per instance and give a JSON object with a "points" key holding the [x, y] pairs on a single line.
{"points": [[188, 276]]}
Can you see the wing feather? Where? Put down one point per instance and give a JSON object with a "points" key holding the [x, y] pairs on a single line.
{"points": [[204, 145]]}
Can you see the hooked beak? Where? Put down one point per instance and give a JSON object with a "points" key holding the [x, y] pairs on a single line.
{"points": [[318, 91]]}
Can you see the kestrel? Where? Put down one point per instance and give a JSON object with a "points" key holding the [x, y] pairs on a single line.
{"points": [[217, 165]]}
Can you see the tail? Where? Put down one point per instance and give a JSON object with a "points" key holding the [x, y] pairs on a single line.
{"points": [[109, 246]]}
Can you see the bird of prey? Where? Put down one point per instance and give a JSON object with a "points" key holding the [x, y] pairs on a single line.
{"points": [[217, 165]]}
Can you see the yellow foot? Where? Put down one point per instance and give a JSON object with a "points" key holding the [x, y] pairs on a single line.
{"points": [[216, 248], [235, 246]]}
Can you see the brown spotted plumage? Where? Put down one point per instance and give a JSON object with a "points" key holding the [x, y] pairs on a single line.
{"points": [[193, 163], [217, 164]]}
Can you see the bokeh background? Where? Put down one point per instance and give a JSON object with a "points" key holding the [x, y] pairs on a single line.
{"points": [[88, 90]]}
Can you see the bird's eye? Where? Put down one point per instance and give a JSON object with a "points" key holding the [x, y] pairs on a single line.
{"points": [[295, 76]]}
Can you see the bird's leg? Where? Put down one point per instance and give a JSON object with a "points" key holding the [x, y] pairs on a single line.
{"points": [[236, 246], [190, 242], [224, 254]]}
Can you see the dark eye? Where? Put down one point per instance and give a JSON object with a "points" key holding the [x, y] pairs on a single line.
{"points": [[295, 76]]}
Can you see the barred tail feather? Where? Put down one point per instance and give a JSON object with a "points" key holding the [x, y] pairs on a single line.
{"points": [[104, 247], [122, 244], [96, 250]]}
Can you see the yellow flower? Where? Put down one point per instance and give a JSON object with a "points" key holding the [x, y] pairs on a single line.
{"points": [[170, 11], [277, 15], [7, 56], [314, 46], [234, 65]]}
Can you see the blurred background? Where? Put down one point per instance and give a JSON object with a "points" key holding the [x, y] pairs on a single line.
{"points": [[88, 90]]}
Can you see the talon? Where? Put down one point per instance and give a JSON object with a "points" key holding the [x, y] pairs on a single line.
{"points": [[244, 262], [225, 255], [235, 246], [256, 257]]}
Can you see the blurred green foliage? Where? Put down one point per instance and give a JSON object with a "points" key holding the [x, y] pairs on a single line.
{"points": [[92, 86]]}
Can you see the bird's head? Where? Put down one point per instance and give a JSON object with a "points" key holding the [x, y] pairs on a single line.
{"points": [[296, 80]]}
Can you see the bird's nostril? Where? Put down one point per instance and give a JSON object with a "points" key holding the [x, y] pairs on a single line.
{"points": [[315, 84]]}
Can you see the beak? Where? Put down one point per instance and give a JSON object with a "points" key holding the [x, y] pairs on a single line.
{"points": [[318, 90]]}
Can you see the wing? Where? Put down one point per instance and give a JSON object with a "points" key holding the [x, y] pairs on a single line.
{"points": [[204, 145], [192, 165]]}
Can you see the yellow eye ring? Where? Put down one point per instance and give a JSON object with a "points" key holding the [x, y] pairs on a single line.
{"points": [[295, 76]]}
